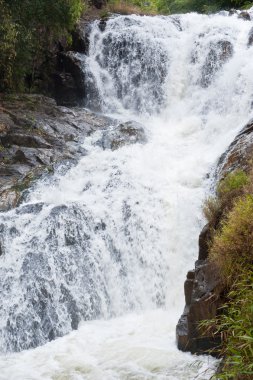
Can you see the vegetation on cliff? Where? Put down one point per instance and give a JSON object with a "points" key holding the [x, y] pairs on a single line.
{"points": [[203, 6], [230, 214], [175, 6], [28, 31]]}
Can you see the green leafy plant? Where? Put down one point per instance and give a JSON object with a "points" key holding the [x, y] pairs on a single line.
{"points": [[29, 30]]}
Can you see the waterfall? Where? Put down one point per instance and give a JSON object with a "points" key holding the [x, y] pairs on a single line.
{"points": [[104, 247]]}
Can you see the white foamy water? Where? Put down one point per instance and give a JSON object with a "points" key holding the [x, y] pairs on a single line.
{"points": [[106, 246]]}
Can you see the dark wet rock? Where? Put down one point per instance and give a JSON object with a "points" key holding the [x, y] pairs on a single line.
{"points": [[232, 12], [202, 298], [25, 140], [36, 135], [239, 153], [98, 3], [204, 239], [70, 79], [102, 24], [80, 37], [124, 134], [244, 15], [217, 56], [34, 208], [65, 90], [250, 40]]}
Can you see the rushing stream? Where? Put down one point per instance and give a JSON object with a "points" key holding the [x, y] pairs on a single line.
{"points": [[104, 247]]}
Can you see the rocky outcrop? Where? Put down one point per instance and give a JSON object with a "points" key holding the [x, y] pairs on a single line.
{"points": [[202, 300], [204, 292], [239, 154], [69, 75], [124, 134], [35, 135]]}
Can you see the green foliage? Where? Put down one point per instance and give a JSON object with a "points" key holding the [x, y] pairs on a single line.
{"points": [[232, 183], [232, 247], [204, 6], [8, 38], [146, 7], [231, 251], [228, 190], [28, 31]]}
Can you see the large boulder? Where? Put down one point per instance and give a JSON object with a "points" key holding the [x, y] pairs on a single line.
{"points": [[244, 16], [124, 134]]}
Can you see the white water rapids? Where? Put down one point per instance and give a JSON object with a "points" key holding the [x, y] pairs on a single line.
{"points": [[105, 247]]}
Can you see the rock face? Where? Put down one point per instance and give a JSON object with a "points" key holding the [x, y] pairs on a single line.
{"points": [[203, 288], [202, 299], [238, 154], [80, 36], [35, 135], [70, 79]]}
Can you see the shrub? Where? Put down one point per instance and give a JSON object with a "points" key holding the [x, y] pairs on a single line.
{"points": [[232, 184], [204, 6], [28, 31], [8, 38], [228, 190], [230, 214], [232, 246]]}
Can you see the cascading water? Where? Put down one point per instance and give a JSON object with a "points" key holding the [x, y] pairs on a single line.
{"points": [[109, 242]]}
